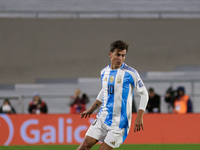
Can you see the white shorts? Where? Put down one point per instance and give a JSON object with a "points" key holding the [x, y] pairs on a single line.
{"points": [[102, 132]]}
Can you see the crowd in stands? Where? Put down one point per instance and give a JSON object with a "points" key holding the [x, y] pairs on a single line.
{"points": [[7, 107], [78, 102], [153, 105], [37, 106], [178, 103]]}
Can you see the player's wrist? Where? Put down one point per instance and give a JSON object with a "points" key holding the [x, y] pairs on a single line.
{"points": [[140, 114], [91, 110]]}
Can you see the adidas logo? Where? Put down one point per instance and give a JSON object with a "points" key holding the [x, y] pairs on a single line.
{"points": [[113, 142]]}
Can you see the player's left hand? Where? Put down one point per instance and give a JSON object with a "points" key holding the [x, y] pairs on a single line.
{"points": [[138, 125]]}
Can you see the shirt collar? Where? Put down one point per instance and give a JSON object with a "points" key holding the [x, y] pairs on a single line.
{"points": [[122, 66]]}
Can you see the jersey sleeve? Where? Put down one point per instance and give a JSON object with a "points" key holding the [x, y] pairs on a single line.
{"points": [[141, 90], [100, 96], [143, 99]]}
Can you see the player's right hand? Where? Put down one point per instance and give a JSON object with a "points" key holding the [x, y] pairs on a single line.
{"points": [[85, 114]]}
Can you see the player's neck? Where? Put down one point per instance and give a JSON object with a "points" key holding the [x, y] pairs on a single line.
{"points": [[113, 67]]}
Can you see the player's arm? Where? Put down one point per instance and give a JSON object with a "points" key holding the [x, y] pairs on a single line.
{"points": [[94, 106], [88, 112], [143, 103]]}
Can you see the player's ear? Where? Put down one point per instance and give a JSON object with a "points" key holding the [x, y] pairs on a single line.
{"points": [[110, 54]]}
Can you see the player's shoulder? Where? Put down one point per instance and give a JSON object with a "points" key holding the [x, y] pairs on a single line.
{"points": [[105, 69], [131, 70]]}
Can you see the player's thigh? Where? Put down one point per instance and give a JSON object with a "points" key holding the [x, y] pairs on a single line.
{"points": [[88, 142], [96, 131], [105, 146], [114, 138]]}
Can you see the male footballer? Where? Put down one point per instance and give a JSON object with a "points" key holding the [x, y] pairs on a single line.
{"points": [[113, 121]]}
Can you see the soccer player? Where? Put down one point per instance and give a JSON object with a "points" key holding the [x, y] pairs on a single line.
{"points": [[114, 118]]}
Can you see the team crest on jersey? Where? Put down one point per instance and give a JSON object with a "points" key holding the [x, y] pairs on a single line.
{"points": [[119, 79], [105, 79], [111, 79]]}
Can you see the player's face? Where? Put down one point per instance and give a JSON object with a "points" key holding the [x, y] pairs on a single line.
{"points": [[117, 58]]}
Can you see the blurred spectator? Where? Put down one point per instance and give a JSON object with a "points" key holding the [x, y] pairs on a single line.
{"points": [[37, 106], [7, 108], [85, 98], [170, 96], [153, 105], [78, 104], [182, 103]]}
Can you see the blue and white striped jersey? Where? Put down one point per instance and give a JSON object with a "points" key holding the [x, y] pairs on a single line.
{"points": [[117, 93]]}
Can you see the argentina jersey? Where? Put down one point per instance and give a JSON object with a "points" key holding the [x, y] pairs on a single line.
{"points": [[116, 95]]}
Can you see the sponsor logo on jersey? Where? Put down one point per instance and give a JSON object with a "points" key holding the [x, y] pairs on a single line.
{"points": [[119, 79], [111, 79]]}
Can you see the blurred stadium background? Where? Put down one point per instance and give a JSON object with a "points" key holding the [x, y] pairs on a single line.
{"points": [[54, 47]]}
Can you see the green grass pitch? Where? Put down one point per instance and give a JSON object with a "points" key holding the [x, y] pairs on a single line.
{"points": [[122, 147]]}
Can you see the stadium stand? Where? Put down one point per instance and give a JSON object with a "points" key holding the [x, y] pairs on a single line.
{"points": [[100, 9], [57, 95]]}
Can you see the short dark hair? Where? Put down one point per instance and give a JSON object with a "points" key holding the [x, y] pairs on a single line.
{"points": [[120, 45], [151, 89], [7, 100]]}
